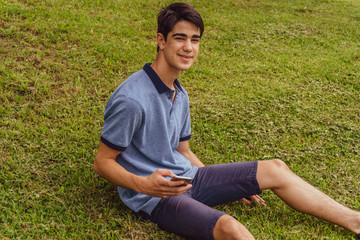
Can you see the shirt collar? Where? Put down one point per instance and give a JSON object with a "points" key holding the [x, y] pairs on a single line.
{"points": [[160, 85]]}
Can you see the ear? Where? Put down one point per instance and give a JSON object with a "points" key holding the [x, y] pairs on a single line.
{"points": [[160, 40]]}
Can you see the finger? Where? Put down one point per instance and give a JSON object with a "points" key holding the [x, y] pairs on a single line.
{"points": [[176, 183], [247, 202], [181, 189], [177, 190], [171, 193], [260, 200], [251, 199], [165, 172]]}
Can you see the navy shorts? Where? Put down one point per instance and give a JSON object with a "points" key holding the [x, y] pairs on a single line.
{"points": [[189, 215]]}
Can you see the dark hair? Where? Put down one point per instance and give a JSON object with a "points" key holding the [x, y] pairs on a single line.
{"points": [[175, 13]]}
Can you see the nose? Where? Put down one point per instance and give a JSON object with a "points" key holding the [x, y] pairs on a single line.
{"points": [[187, 45]]}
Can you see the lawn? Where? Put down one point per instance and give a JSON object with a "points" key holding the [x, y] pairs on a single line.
{"points": [[274, 79]]}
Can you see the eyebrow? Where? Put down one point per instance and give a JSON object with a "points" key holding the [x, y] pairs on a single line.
{"points": [[184, 35]]}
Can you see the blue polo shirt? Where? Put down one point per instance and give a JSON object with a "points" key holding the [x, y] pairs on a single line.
{"points": [[143, 122]]}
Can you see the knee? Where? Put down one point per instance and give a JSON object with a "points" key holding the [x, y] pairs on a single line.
{"points": [[273, 174], [229, 228], [278, 165]]}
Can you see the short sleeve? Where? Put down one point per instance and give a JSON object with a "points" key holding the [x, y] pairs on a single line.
{"points": [[122, 119], [186, 129]]}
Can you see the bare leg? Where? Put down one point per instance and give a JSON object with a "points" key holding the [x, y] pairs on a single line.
{"points": [[229, 228], [300, 195]]}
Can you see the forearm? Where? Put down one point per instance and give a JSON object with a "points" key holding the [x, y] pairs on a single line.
{"points": [[155, 184], [184, 149], [193, 158], [116, 174]]}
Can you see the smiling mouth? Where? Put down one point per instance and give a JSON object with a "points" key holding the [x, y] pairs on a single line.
{"points": [[185, 57]]}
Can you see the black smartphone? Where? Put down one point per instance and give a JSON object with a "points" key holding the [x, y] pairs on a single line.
{"points": [[177, 178]]}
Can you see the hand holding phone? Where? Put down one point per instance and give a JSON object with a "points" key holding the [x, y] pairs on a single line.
{"points": [[178, 178]]}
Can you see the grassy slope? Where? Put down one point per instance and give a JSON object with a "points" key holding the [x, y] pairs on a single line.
{"points": [[275, 79]]}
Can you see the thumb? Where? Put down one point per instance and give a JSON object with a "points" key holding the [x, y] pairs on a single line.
{"points": [[165, 172]]}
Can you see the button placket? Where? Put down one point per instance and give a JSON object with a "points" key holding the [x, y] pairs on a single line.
{"points": [[170, 95]]}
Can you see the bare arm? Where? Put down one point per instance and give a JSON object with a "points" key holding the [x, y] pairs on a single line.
{"points": [[185, 150], [155, 184]]}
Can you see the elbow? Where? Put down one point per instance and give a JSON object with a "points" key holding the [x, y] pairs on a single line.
{"points": [[96, 166]]}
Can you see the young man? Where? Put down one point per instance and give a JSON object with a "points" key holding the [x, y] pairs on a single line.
{"points": [[145, 142]]}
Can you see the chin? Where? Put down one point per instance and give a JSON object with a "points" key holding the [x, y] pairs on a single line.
{"points": [[185, 67]]}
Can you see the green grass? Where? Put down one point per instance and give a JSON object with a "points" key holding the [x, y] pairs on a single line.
{"points": [[274, 79]]}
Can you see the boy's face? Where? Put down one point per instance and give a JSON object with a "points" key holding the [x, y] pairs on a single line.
{"points": [[182, 46]]}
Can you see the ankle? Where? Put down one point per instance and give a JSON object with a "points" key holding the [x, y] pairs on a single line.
{"points": [[352, 223], [357, 227]]}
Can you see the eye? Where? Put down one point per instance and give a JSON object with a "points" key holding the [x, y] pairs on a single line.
{"points": [[196, 40]]}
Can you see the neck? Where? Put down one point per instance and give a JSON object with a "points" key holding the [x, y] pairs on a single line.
{"points": [[166, 73]]}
